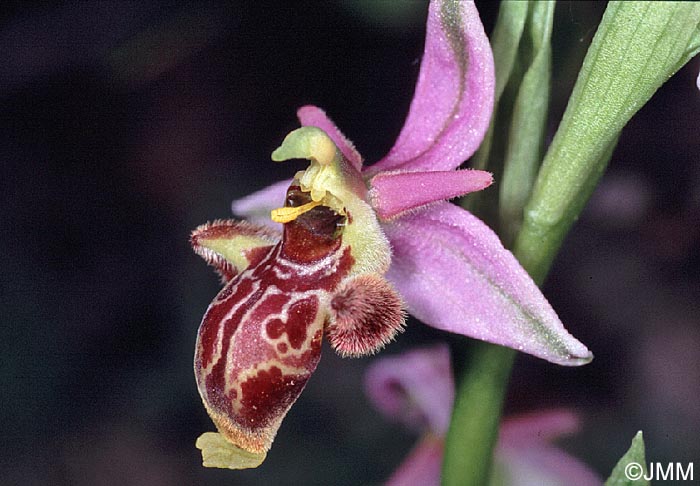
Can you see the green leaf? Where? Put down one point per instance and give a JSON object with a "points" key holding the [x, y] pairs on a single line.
{"points": [[692, 49], [505, 42], [525, 145], [632, 467], [514, 145], [506, 37], [637, 47]]}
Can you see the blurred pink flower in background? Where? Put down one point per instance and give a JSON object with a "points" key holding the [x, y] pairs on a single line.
{"points": [[417, 389]]}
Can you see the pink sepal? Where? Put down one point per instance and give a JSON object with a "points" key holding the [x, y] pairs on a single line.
{"points": [[452, 104], [455, 275]]}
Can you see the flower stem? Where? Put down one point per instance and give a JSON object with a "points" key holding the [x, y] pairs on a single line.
{"points": [[481, 388]]}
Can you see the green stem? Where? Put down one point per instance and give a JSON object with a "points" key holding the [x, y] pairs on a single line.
{"points": [[477, 412], [481, 388]]}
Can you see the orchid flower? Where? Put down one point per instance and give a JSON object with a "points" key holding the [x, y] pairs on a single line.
{"points": [[358, 245], [450, 268], [417, 389]]}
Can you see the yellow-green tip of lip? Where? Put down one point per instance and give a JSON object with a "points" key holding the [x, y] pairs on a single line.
{"points": [[218, 452], [306, 143]]}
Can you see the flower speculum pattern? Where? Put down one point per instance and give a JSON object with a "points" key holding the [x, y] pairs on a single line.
{"points": [[260, 339]]}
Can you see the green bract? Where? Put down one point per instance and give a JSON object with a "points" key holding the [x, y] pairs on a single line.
{"points": [[637, 47], [529, 122], [632, 464]]}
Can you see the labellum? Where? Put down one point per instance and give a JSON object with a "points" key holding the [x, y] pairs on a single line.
{"points": [[260, 338]]}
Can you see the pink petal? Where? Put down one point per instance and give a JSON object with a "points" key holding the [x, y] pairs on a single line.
{"points": [[527, 457], [455, 275], [452, 104], [314, 116], [392, 193], [415, 388], [256, 207], [422, 466]]}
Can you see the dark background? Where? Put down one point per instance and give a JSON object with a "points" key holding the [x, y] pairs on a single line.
{"points": [[124, 125]]}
